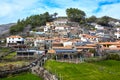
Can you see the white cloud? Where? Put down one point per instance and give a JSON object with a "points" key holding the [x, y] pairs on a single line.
{"points": [[5, 9], [12, 10], [110, 10], [85, 5]]}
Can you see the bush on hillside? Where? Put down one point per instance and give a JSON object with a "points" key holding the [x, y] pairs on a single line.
{"points": [[113, 57]]}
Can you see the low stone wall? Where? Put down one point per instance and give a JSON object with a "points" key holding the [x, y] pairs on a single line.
{"points": [[22, 69], [15, 71], [46, 75], [5, 54]]}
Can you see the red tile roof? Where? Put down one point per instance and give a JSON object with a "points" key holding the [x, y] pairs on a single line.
{"points": [[15, 36], [85, 47], [105, 43], [67, 47]]}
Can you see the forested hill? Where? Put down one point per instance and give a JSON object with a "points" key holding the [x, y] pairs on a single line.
{"points": [[33, 21], [104, 20], [73, 14]]}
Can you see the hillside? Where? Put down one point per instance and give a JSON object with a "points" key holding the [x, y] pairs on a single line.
{"points": [[4, 29], [32, 21]]}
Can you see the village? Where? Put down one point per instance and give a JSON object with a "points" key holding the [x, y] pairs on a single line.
{"points": [[61, 40], [64, 37]]}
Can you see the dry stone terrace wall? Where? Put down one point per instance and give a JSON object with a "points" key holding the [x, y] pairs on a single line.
{"points": [[5, 54], [46, 75], [40, 71], [36, 68], [16, 71], [22, 69]]}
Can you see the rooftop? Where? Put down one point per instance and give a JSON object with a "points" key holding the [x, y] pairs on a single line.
{"points": [[14, 36]]}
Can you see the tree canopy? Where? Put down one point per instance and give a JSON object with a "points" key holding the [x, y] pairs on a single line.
{"points": [[34, 20], [104, 21], [91, 19], [75, 14]]}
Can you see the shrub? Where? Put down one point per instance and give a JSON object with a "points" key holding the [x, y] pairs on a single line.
{"points": [[113, 57]]}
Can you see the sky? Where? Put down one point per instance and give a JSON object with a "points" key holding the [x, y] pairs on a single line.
{"points": [[12, 10]]}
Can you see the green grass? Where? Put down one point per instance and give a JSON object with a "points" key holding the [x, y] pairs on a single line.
{"points": [[23, 76], [4, 49], [10, 55], [103, 70]]}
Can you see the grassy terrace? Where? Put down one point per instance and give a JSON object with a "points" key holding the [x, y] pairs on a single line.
{"points": [[10, 55], [104, 70], [14, 63], [4, 50], [23, 76]]}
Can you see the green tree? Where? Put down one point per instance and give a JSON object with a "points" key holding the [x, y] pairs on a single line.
{"points": [[54, 15], [34, 20], [104, 20], [75, 14], [91, 19]]}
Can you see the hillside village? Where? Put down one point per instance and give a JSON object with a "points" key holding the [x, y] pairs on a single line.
{"points": [[59, 37], [60, 40]]}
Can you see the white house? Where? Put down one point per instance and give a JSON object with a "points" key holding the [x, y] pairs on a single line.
{"points": [[59, 28], [117, 34], [99, 27], [14, 40], [113, 46], [38, 41], [60, 22], [118, 29], [67, 43], [117, 23], [46, 28], [87, 37]]}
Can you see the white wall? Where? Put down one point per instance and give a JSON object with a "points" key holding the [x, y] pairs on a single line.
{"points": [[14, 40], [36, 42], [59, 28], [99, 27], [113, 46], [67, 44], [46, 28], [117, 35], [118, 29]]}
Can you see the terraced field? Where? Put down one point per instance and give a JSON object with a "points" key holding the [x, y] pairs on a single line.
{"points": [[103, 70]]}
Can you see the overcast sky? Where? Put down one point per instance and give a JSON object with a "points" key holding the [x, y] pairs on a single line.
{"points": [[12, 10]]}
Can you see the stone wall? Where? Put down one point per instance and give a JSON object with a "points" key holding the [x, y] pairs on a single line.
{"points": [[22, 69], [46, 75], [15, 71]]}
